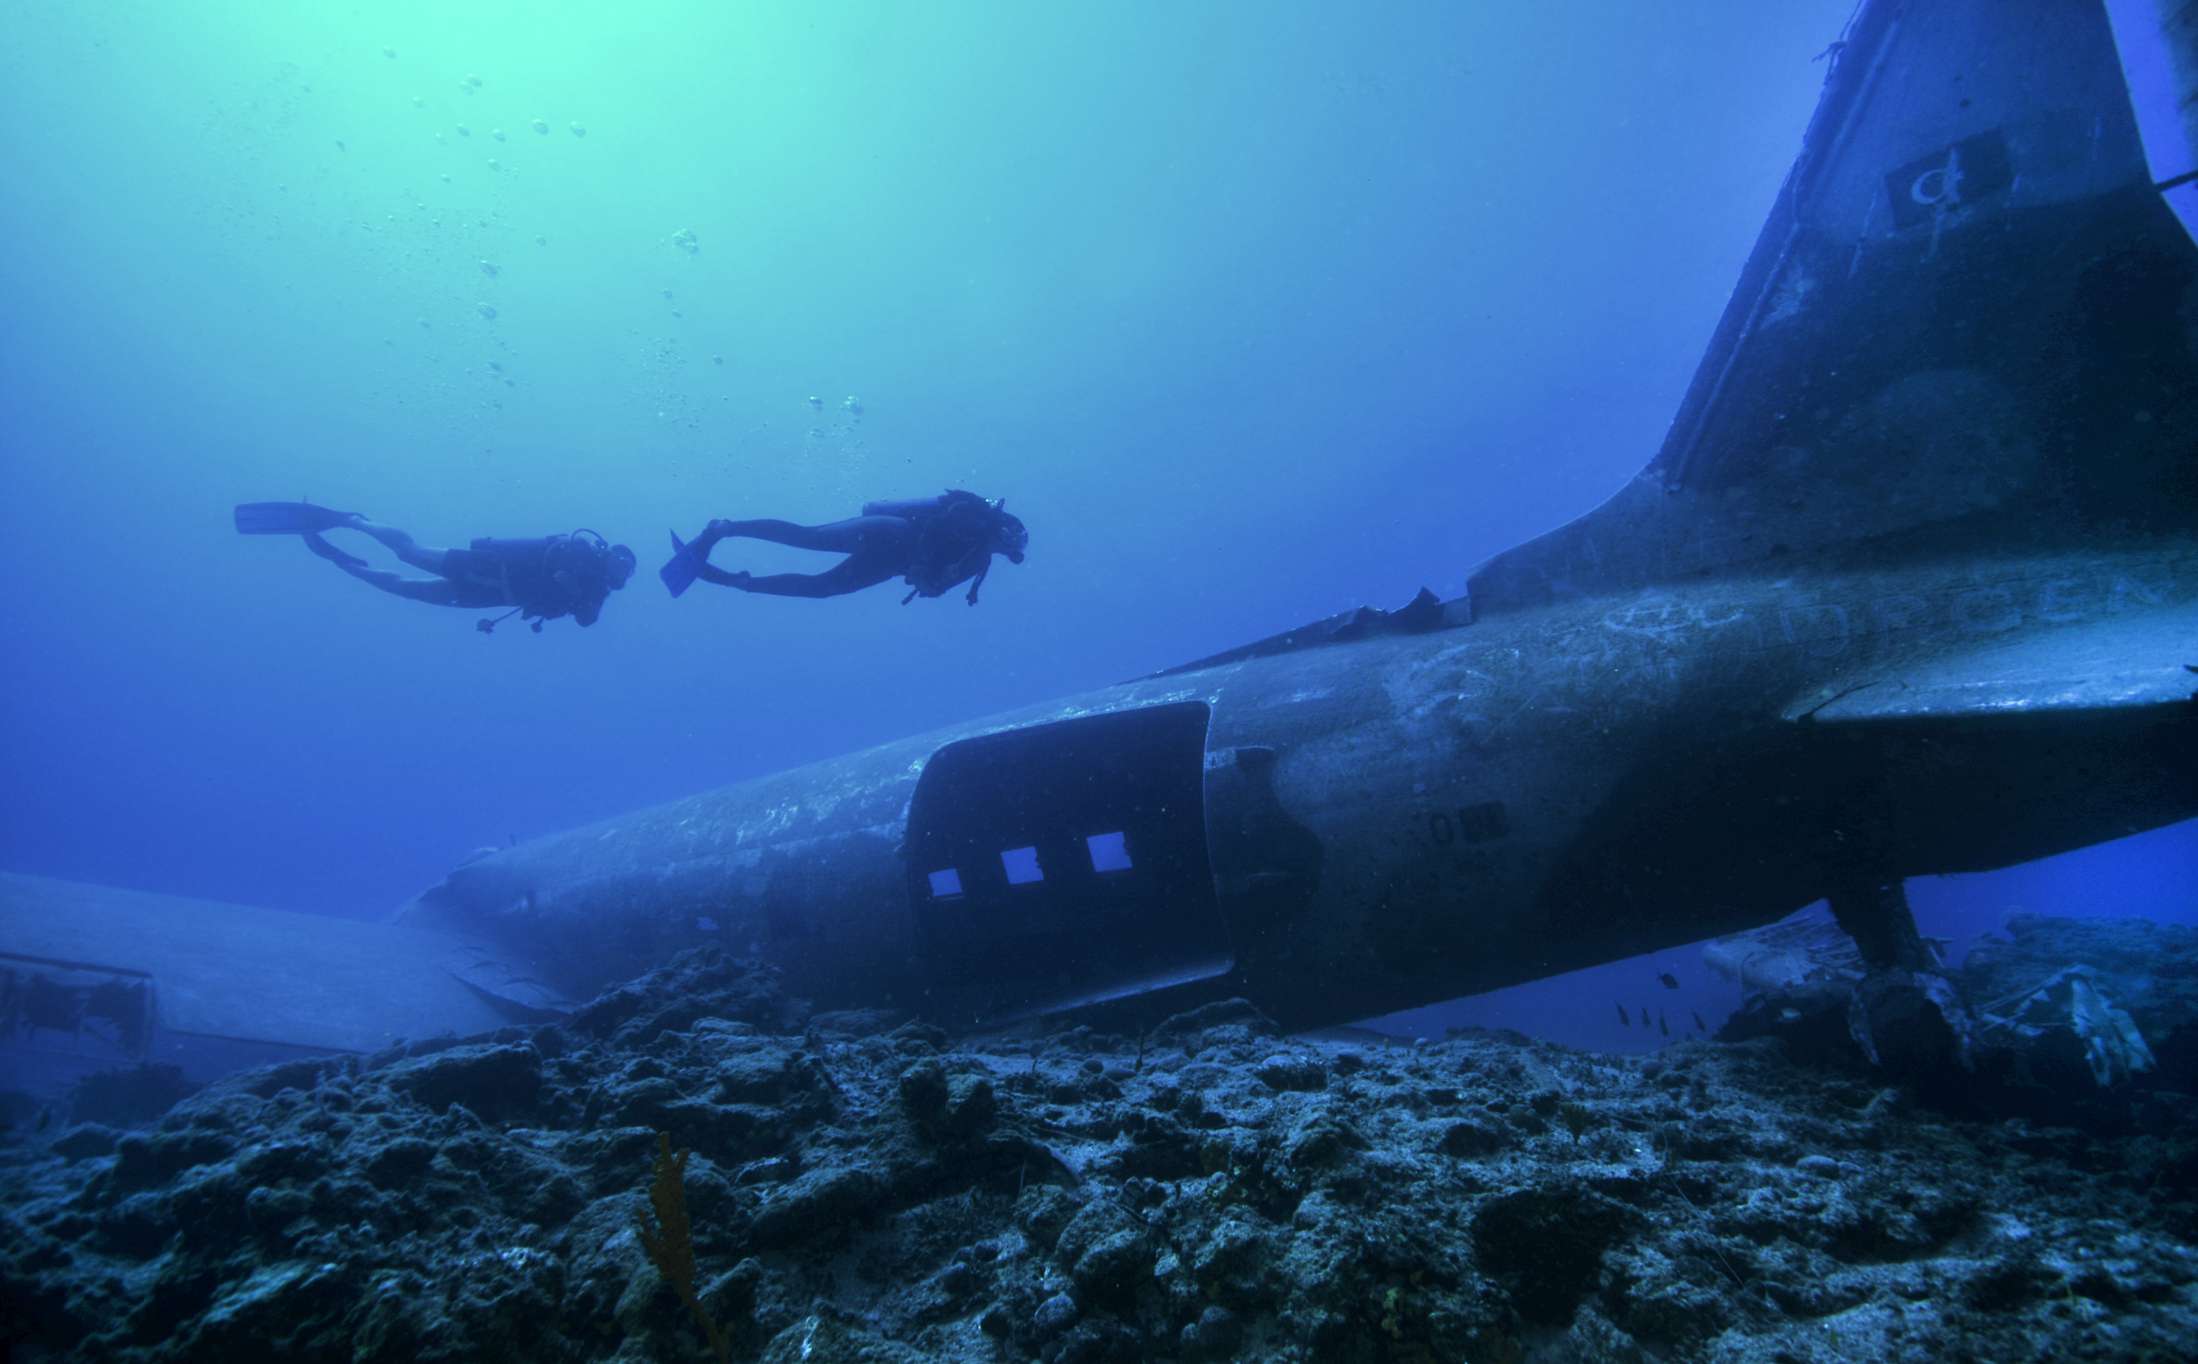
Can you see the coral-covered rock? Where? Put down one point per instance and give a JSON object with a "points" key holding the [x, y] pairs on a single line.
{"points": [[1204, 1193]]}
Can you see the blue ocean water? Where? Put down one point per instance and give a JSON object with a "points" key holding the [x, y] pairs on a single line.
{"points": [[1253, 313]]}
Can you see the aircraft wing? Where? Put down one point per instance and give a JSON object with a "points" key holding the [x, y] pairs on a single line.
{"points": [[93, 977], [2122, 664]]}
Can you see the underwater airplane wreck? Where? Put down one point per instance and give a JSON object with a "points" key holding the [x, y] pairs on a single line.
{"points": [[1910, 588]]}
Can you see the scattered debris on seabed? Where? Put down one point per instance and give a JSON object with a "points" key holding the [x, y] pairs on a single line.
{"points": [[861, 1186]]}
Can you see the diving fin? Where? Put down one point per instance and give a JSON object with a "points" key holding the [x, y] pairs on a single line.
{"points": [[684, 567], [288, 518]]}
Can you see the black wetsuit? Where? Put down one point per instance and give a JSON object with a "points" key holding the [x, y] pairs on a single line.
{"points": [[544, 578], [935, 543]]}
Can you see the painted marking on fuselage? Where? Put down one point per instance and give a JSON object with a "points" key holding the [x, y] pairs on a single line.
{"points": [[1668, 618], [1819, 629], [1829, 630], [1481, 823]]}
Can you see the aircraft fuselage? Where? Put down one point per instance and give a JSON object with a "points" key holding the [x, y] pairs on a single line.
{"points": [[1350, 828]]}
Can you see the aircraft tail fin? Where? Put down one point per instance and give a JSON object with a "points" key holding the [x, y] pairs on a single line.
{"points": [[1970, 322]]}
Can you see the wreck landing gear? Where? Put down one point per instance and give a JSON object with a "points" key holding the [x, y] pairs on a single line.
{"points": [[1904, 1015]]}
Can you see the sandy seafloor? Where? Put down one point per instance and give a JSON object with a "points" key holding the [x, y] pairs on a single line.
{"points": [[864, 1187]]}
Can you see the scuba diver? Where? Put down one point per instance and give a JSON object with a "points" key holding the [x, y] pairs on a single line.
{"points": [[540, 580], [933, 544]]}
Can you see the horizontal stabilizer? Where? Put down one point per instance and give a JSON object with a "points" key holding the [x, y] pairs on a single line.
{"points": [[2105, 665]]}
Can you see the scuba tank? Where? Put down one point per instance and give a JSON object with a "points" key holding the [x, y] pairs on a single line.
{"points": [[546, 577]]}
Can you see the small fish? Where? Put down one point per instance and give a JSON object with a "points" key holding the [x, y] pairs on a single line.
{"points": [[1667, 980], [1699, 1025], [340, 147], [1662, 1026], [1623, 1017]]}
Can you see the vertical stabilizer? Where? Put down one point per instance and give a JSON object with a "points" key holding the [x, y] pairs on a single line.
{"points": [[2157, 41], [1968, 326]]}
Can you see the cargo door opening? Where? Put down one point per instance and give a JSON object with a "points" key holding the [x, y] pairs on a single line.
{"points": [[1065, 864]]}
